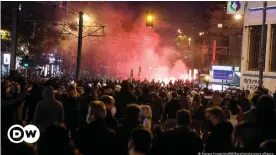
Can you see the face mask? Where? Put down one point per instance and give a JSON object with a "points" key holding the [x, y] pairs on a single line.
{"points": [[113, 111]]}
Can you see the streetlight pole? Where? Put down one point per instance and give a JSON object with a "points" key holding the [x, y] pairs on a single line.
{"points": [[14, 36], [79, 46], [263, 47]]}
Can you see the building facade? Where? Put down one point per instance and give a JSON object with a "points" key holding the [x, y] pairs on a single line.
{"points": [[251, 44]]}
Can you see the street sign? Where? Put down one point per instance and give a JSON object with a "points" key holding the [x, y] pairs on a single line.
{"points": [[235, 7], [222, 75]]}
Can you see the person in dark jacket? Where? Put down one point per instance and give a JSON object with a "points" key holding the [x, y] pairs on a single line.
{"points": [[250, 116], [170, 111], [219, 139], [140, 142], [31, 101], [244, 103], [123, 98], [124, 131], [9, 106], [71, 110], [83, 102], [55, 141], [179, 141], [48, 111], [245, 138], [110, 120], [96, 137], [157, 107], [266, 117], [146, 97]]}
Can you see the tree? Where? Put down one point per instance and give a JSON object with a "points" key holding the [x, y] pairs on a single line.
{"points": [[36, 32]]}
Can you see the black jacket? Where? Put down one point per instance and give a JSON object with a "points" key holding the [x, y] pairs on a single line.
{"points": [[245, 104], [110, 121], [123, 134], [180, 141], [220, 138], [96, 138], [171, 109], [83, 103], [122, 99]]}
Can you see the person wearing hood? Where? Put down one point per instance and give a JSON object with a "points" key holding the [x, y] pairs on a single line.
{"points": [[110, 120], [219, 139], [49, 110], [123, 98]]}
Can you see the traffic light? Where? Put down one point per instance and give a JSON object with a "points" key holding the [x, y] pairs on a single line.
{"points": [[149, 18], [26, 62]]}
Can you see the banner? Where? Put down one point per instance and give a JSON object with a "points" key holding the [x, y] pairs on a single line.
{"points": [[235, 7]]}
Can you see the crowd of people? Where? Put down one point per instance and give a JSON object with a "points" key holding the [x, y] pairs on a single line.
{"points": [[129, 117]]}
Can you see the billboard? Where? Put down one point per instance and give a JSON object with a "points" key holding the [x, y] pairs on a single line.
{"points": [[222, 72], [222, 75], [6, 59]]}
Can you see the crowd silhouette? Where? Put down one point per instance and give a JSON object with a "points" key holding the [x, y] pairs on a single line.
{"points": [[93, 117]]}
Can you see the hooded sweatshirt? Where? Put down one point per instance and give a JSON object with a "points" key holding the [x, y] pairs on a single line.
{"points": [[49, 110]]}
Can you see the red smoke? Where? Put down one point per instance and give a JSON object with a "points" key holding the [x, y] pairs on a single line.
{"points": [[128, 44]]}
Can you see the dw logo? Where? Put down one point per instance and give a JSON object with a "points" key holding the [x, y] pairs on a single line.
{"points": [[18, 134]]}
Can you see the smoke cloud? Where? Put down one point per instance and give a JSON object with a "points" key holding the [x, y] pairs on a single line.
{"points": [[127, 44]]}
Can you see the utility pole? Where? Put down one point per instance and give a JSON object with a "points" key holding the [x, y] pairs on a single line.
{"points": [[14, 35], [79, 46], [263, 47]]}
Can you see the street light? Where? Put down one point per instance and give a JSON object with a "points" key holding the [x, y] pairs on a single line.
{"points": [[149, 18], [179, 30], [201, 33], [207, 78], [237, 17], [189, 41], [220, 25]]}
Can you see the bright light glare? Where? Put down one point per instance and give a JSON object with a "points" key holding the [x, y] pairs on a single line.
{"points": [[207, 77], [149, 18], [219, 25], [238, 17], [179, 30], [86, 18], [190, 39]]}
